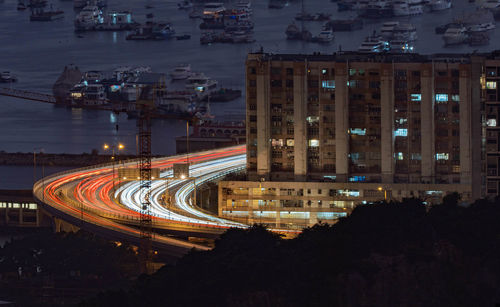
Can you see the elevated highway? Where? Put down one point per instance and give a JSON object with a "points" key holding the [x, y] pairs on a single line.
{"points": [[94, 198]]}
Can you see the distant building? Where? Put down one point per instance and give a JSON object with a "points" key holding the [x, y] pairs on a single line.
{"points": [[327, 132], [210, 135]]}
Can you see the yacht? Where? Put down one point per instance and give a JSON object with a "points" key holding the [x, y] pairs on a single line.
{"points": [[377, 9], [374, 43], [200, 82], [454, 36], [405, 31], [481, 27], [325, 36], [439, 5], [388, 28], [180, 72], [407, 8], [88, 18], [7, 77]]}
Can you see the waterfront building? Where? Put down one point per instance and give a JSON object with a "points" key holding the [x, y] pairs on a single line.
{"points": [[328, 132]]}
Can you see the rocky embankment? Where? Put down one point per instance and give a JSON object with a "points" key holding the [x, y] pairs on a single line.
{"points": [[73, 160]]}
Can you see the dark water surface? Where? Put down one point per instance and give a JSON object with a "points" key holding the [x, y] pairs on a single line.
{"points": [[37, 52]]}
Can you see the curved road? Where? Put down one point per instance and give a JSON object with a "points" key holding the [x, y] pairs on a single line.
{"points": [[95, 198]]}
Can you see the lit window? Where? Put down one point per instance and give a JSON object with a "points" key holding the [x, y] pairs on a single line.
{"points": [[442, 97], [352, 72], [324, 71], [416, 156], [400, 156], [313, 143], [455, 98], [357, 178], [277, 142], [492, 122], [416, 97], [401, 132], [330, 84], [312, 119], [442, 156], [357, 131], [290, 142], [491, 85]]}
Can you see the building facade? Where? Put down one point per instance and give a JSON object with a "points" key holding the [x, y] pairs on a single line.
{"points": [[327, 132]]}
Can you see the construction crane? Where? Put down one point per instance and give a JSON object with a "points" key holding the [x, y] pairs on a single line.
{"points": [[144, 106]]}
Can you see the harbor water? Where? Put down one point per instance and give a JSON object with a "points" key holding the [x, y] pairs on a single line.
{"points": [[38, 51]]}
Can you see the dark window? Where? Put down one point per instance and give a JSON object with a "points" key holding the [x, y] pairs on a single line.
{"points": [[276, 70], [252, 70], [289, 83], [252, 83], [289, 71], [275, 83]]}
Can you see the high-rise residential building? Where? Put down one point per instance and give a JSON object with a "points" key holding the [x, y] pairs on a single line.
{"points": [[327, 132]]}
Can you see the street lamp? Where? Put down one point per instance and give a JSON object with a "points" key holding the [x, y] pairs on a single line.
{"points": [[385, 192], [118, 147]]}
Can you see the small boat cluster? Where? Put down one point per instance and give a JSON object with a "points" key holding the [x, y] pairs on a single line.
{"points": [[92, 18], [188, 93], [388, 8], [394, 37], [222, 25]]}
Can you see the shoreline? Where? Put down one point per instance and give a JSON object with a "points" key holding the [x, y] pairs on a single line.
{"points": [[72, 160]]}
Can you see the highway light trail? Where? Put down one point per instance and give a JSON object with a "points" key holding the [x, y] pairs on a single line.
{"points": [[91, 195]]}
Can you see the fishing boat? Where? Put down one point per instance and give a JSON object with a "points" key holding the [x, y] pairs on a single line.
{"points": [[455, 36], [374, 43], [181, 71], [7, 77], [41, 15]]}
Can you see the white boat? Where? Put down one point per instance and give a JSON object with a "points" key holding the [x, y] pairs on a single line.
{"points": [[479, 21], [325, 36], [405, 31], [407, 8], [439, 5], [388, 28], [200, 84], [482, 27], [455, 36], [185, 5], [89, 18], [180, 72], [7, 77], [374, 43]]}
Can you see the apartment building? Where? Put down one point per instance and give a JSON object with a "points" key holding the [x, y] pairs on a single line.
{"points": [[327, 132]]}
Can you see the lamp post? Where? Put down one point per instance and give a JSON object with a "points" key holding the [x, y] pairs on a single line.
{"points": [[34, 161], [118, 147], [385, 192]]}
